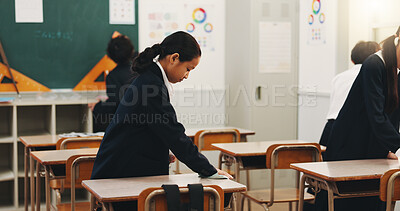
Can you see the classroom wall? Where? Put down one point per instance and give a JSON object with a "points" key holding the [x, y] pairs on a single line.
{"points": [[318, 64]]}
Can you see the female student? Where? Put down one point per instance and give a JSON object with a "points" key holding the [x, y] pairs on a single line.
{"points": [[367, 126], [145, 128], [121, 51]]}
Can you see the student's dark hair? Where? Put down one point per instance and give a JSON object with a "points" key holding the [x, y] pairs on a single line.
{"points": [[179, 42], [120, 49], [390, 58], [362, 50]]}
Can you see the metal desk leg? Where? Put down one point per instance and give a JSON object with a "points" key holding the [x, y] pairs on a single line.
{"points": [[37, 186], [330, 197], [47, 184], [31, 166], [92, 202], [301, 193]]}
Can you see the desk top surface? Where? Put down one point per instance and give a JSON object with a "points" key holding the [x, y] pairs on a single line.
{"points": [[59, 157], [128, 189], [242, 149], [51, 140], [347, 170]]}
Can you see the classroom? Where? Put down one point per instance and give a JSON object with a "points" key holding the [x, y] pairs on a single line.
{"points": [[102, 99]]}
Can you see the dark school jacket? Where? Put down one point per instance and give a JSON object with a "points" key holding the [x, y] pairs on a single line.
{"points": [[362, 129], [116, 83], [144, 128]]}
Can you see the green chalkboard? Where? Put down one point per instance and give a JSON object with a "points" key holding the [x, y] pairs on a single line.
{"points": [[60, 51]]}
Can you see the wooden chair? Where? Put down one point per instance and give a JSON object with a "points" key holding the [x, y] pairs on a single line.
{"points": [[58, 184], [154, 198], [280, 156], [204, 138], [390, 188], [78, 168], [79, 142]]}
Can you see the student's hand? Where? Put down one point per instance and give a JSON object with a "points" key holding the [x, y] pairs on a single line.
{"points": [[172, 158], [220, 172], [391, 155], [92, 105]]}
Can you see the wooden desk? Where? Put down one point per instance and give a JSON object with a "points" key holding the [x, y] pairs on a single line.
{"points": [[50, 158], [128, 189], [33, 143], [40, 142], [191, 132], [249, 155], [344, 179]]}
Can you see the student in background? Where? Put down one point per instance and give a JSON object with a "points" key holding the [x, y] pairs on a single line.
{"points": [[145, 126], [367, 126], [342, 83], [121, 51]]}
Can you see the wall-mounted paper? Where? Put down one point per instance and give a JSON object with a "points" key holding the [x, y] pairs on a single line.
{"points": [[29, 11], [275, 47], [122, 11]]}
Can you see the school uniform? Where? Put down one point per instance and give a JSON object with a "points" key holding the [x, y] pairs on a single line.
{"points": [[362, 129], [116, 83], [341, 85]]}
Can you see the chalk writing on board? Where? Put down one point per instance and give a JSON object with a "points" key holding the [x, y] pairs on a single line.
{"points": [[53, 35]]}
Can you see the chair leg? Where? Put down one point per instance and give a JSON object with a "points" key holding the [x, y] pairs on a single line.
{"points": [[58, 196], [290, 206], [266, 208], [241, 206]]}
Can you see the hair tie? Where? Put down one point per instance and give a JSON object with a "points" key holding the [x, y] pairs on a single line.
{"points": [[396, 41]]}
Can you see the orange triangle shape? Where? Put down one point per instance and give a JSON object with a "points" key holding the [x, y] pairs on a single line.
{"points": [[105, 65], [24, 83]]}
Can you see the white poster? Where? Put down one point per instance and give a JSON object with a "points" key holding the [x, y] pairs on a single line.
{"points": [[205, 21], [122, 11], [275, 47], [316, 23], [29, 11]]}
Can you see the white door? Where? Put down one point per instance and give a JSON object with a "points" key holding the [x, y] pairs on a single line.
{"points": [[274, 69]]}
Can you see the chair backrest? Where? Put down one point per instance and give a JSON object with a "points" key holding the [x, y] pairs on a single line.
{"points": [[280, 156], [154, 198], [204, 138], [390, 187], [78, 168], [79, 142]]}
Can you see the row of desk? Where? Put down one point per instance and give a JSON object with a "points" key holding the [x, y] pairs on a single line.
{"points": [[34, 151], [340, 178]]}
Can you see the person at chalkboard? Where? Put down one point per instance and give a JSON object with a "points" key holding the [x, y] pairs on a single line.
{"points": [[342, 83], [145, 126], [367, 126], [121, 51]]}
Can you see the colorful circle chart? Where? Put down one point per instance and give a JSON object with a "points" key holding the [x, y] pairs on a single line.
{"points": [[322, 18], [310, 19], [316, 6], [208, 27], [199, 15], [190, 27]]}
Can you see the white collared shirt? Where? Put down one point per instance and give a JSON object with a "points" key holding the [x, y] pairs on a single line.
{"points": [[341, 85], [166, 81]]}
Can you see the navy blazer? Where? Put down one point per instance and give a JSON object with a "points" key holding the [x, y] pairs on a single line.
{"points": [[143, 129], [116, 83], [363, 130]]}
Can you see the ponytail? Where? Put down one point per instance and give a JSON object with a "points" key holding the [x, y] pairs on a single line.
{"points": [[179, 42], [145, 58], [390, 58]]}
